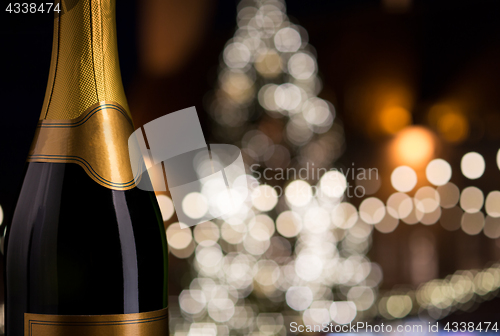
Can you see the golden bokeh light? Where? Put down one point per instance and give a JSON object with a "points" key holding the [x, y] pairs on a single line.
{"points": [[413, 146], [269, 64], [450, 122], [453, 127], [394, 118]]}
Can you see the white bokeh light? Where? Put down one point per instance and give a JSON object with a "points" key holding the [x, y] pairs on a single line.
{"points": [[403, 179], [472, 223], [178, 236], [362, 296], [206, 233], [399, 205], [471, 199], [498, 159], [343, 312], [192, 301], [195, 205], [308, 266], [301, 66], [472, 165], [288, 224], [344, 215], [317, 220], [237, 55], [298, 193], [438, 172], [299, 298], [264, 198], [288, 96], [426, 199], [166, 206], [492, 204], [333, 184], [287, 40], [372, 210], [261, 228]]}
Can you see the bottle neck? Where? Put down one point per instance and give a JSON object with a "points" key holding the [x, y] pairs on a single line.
{"points": [[84, 67]]}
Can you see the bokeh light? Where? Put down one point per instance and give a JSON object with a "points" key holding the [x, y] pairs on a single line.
{"points": [[236, 55], [492, 227], [166, 207], [492, 204], [206, 233], [317, 220], [343, 312], [399, 306], [344, 215], [399, 205], [429, 218], [449, 195], [450, 122], [269, 64], [472, 223], [288, 224], [178, 237], [362, 296], [451, 218], [333, 184], [192, 301], [438, 172], [387, 224], [413, 146], [301, 66], [498, 159], [394, 118], [298, 193], [403, 179], [195, 205], [426, 199], [299, 298], [471, 199], [287, 40], [264, 198], [372, 210], [472, 165]]}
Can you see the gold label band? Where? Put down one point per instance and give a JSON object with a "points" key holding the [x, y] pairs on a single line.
{"points": [[97, 141], [153, 323]]}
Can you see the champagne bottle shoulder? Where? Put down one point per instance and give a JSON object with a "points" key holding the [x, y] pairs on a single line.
{"points": [[76, 248]]}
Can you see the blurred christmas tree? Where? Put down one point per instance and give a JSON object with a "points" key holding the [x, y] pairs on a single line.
{"points": [[294, 251]]}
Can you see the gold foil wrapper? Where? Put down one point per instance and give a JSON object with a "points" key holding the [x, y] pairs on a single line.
{"points": [[153, 323], [84, 69], [97, 141]]}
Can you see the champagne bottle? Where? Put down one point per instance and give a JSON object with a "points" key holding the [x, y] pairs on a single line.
{"points": [[86, 252]]}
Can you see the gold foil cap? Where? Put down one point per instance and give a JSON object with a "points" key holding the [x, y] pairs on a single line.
{"points": [[84, 68]]}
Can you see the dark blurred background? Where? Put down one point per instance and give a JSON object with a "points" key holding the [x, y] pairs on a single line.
{"points": [[422, 56]]}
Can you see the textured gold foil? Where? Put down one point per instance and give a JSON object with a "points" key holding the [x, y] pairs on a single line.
{"points": [[97, 141], [84, 69], [153, 323]]}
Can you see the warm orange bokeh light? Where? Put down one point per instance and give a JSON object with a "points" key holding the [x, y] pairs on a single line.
{"points": [[394, 118], [414, 146], [450, 122], [453, 127]]}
